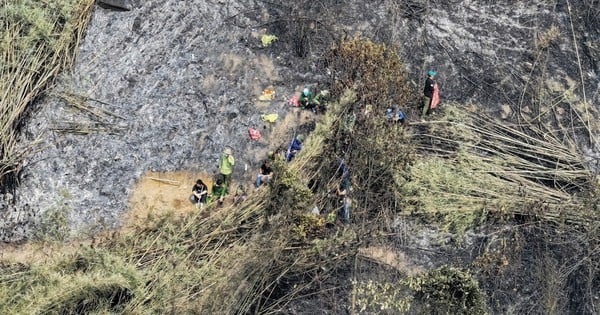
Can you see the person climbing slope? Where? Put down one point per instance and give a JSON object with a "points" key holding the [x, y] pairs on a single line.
{"points": [[294, 147], [306, 98]]}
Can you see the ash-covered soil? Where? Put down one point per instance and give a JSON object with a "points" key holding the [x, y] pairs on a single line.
{"points": [[170, 84]]}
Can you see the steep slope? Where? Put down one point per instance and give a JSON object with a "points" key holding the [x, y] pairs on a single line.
{"points": [[166, 86]]}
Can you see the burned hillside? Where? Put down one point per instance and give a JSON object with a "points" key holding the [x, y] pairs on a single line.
{"points": [[488, 205]]}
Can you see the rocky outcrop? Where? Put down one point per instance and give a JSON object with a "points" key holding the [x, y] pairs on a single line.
{"points": [[116, 4]]}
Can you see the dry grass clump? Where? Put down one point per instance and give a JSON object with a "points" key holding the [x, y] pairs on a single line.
{"points": [[447, 290], [373, 70], [474, 163], [230, 262], [356, 142], [38, 41], [547, 38]]}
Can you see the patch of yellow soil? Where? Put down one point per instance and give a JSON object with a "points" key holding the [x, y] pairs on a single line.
{"points": [[390, 257], [158, 193], [267, 67], [209, 82], [233, 64]]}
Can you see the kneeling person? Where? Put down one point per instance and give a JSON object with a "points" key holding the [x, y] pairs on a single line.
{"points": [[199, 194], [219, 190], [265, 175]]}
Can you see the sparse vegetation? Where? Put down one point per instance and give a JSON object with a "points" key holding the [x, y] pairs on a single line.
{"points": [[447, 290], [38, 42], [54, 224]]}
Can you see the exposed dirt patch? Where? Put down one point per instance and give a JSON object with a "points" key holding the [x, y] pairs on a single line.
{"points": [[391, 257], [158, 193]]}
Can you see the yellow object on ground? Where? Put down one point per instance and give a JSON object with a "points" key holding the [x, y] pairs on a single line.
{"points": [[267, 95], [267, 39], [269, 117]]}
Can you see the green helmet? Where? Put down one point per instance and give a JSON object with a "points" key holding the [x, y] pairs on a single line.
{"points": [[300, 137]]}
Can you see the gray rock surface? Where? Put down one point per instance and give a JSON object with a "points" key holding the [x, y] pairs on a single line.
{"points": [[116, 4], [179, 80]]}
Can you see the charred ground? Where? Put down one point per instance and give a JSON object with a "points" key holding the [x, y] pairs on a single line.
{"points": [[179, 81]]}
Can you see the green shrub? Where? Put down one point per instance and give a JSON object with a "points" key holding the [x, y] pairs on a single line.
{"points": [[447, 290]]}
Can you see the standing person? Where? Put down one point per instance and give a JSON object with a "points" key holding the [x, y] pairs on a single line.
{"points": [[265, 175], [428, 91], [226, 163], [199, 194], [343, 192]]}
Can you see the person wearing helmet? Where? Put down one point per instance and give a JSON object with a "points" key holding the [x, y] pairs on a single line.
{"points": [[306, 99], [226, 163], [294, 147], [428, 92]]}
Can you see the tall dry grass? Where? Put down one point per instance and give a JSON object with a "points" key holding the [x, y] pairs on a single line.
{"points": [[473, 162], [39, 40]]}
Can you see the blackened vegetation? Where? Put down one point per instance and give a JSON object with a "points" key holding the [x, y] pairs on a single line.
{"points": [[87, 299], [322, 287], [9, 181], [553, 266], [303, 27], [589, 11], [117, 5], [363, 144]]}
